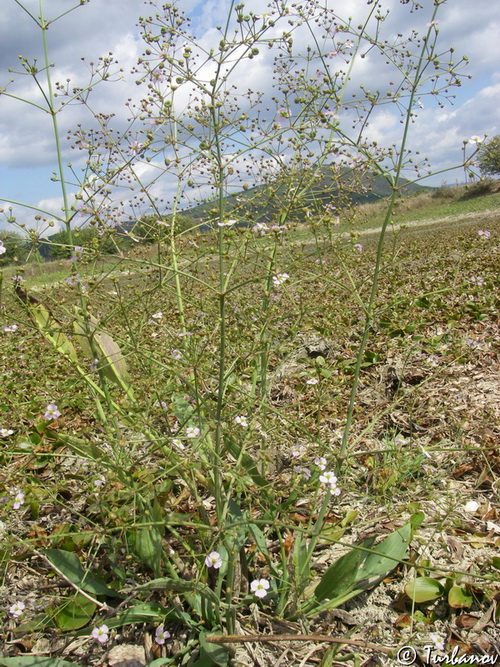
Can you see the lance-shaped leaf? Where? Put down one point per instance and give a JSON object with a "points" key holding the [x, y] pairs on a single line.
{"points": [[48, 325], [97, 343]]}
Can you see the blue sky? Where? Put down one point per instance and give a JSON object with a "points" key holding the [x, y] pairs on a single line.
{"points": [[26, 151]]}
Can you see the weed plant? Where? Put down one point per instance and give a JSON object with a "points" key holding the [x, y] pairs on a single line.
{"points": [[186, 452]]}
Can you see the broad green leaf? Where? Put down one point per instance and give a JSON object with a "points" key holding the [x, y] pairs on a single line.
{"points": [[94, 340], [147, 540], [388, 554], [423, 589], [458, 597], [35, 661], [88, 450], [74, 613], [416, 520], [340, 577], [70, 566], [217, 653], [148, 612], [52, 330]]}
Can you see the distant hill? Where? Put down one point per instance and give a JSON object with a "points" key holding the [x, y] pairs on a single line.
{"points": [[300, 194]]}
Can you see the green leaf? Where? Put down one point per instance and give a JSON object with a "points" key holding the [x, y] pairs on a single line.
{"points": [[386, 555], [423, 589], [217, 653], [495, 561], [35, 661], [180, 586], [95, 340], [52, 330], [458, 598], [71, 567], [147, 540], [247, 463], [75, 613], [340, 577]]}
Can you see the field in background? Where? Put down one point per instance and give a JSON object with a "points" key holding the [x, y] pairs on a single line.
{"points": [[424, 438]]}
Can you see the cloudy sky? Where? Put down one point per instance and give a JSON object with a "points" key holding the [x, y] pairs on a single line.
{"points": [[27, 153]]}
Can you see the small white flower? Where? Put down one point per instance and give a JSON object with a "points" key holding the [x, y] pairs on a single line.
{"points": [[178, 443], [213, 560], [5, 432], [280, 279], [312, 381], [260, 587], [475, 139], [471, 506], [192, 432], [328, 478], [241, 420], [157, 316], [17, 609], [176, 354], [228, 223], [320, 461]]}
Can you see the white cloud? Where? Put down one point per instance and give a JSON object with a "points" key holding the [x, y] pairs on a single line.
{"points": [[102, 26]]}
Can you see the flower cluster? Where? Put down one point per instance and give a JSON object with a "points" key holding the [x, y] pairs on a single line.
{"points": [[5, 432]]}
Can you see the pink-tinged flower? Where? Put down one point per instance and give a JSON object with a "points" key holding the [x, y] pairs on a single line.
{"points": [[349, 44], [298, 450], [135, 147], [476, 139], [177, 354], [259, 587], [260, 227], [213, 560], [192, 432], [100, 480], [5, 432], [101, 633], [18, 498], [161, 635], [332, 54], [77, 254], [437, 640], [303, 472], [17, 609], [320, 461], [312, 381], [241, 420], [358, 247], [73, 280], [11, 329], [51, 412], [477, 280], [484, 233]]}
